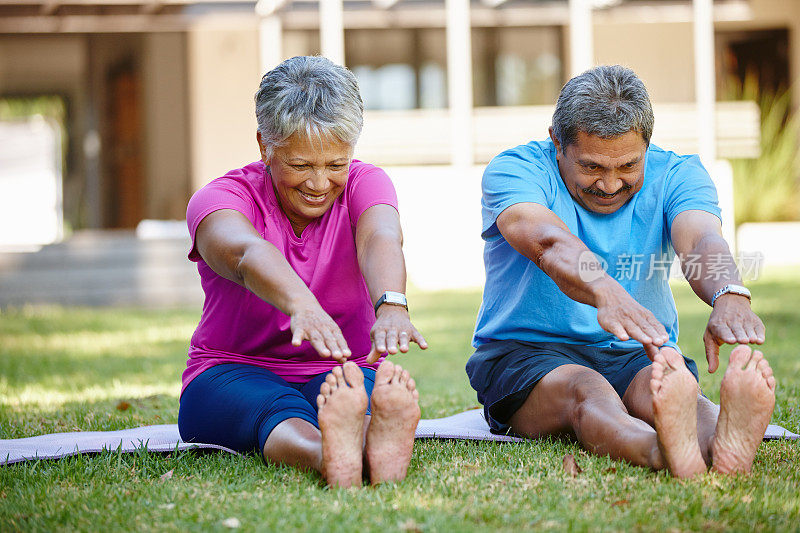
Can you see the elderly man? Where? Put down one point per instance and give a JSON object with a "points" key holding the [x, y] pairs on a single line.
{"points": [[578, 330]]}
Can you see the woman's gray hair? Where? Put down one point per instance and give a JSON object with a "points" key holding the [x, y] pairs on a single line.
{"points": [[607, 101], [312, 95]]}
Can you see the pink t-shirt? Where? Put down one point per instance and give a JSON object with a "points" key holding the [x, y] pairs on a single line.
{"points": [[239, 327]]}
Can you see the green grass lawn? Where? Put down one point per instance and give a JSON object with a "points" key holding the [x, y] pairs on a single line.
{"points": [[64, 369]]}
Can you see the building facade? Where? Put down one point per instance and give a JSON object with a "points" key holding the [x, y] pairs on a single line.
{"points": [[159, 93]]}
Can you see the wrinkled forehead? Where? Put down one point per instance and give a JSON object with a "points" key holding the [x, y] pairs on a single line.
{"points": [[314, 146], [608, 151]]}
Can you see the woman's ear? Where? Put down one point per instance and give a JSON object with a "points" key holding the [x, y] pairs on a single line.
{"points": [[261, 148]]}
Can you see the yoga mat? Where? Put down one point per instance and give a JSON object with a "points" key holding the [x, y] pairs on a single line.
{"points": [[469, 425]]}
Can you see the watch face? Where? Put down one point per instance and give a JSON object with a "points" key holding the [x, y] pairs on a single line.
{"points": [[395, 298]]}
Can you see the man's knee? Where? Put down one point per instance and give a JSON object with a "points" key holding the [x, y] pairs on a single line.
{"points": [[578, 389]]}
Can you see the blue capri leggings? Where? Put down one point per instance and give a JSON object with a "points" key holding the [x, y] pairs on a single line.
{"points": [[238, 406]]}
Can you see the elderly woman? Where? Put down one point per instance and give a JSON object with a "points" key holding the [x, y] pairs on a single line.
{"points": [[300, 259]]}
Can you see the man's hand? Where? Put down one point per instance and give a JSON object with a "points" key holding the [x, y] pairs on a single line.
{"points": [[316, 326], [393, 331], [619, 314], [731, 322]]}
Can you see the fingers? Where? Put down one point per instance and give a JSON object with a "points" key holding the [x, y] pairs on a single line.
{"points": [[736, 324], [739, 333], [637, 334], [761, 333], [618, 331], [379, 339], [651, 350], [297, 336], [722, 332], [634, 323], [712, 351], [403, 338], [417, 337], [318, 344], [392, 334], [327, 340], [391, 341], [657, 331], [373, 354], [342, 344]]}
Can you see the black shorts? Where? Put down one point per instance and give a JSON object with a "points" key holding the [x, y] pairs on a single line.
{"points": [[504, 372]]}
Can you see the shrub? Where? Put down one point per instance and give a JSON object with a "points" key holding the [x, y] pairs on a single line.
{"points": [[766, 189]]}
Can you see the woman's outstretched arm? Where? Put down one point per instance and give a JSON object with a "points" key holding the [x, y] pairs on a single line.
{"points": [[379, 242], [232, 247]]}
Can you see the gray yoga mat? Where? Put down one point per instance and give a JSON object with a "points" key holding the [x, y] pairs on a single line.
{"points": [[469, 425]]}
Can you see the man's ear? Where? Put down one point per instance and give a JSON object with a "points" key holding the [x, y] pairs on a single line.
{"points": [[555, 141]]}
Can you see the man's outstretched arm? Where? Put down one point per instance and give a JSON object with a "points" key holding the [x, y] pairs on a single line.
{"points": [[538, 234], [708, 266]]}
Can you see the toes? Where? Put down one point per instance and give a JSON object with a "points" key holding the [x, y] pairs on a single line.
{"points": [[672, 358], [763, 367], [404, 377], [740, 356], [325, 389], [655, 385], [339, 375], [657, 372], [320, 400], [330, 381], [398, 371], [384, 373], [771, 383], [353, 374], [412, 385], [755, 360]]}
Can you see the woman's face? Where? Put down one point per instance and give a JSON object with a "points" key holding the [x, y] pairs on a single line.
{"points": [[308, 175]]}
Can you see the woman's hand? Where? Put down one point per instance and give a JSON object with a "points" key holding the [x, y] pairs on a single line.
{"points": [[313, 324], [392, 331]]}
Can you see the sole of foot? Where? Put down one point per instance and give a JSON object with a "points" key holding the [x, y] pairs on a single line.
{"points": [[674, 391], [395, 414], [747, 398], [342, 404]]}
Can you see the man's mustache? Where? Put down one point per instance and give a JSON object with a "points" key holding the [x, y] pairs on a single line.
{"points": [[601, 194]]}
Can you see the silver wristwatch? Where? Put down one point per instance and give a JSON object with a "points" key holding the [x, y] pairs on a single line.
{"points": [[733, 289], [392, 298]]}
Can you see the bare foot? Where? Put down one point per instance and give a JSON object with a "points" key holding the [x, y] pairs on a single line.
{"points": [[675, 411], [395, 413], [342, 403], [747, 397]]}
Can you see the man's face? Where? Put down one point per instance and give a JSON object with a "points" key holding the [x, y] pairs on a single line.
{"points": [[602, 174]]}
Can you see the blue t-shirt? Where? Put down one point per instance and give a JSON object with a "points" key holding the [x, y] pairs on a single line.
{"points": [[523, 303]]}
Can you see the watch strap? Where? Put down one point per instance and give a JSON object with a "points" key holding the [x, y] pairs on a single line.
{"points": [[731, 289]]}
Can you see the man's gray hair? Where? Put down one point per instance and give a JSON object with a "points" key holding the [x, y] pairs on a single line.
{"points": [[312, 95], [607, 101]]}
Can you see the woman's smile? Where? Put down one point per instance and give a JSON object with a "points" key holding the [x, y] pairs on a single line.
{"points": [[313, 198]]}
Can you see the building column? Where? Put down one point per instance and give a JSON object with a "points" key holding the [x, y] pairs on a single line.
{"points": [[459, 81], [581, 39], [331, 30], [704, 79], [270, 34], [705, 88]]}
